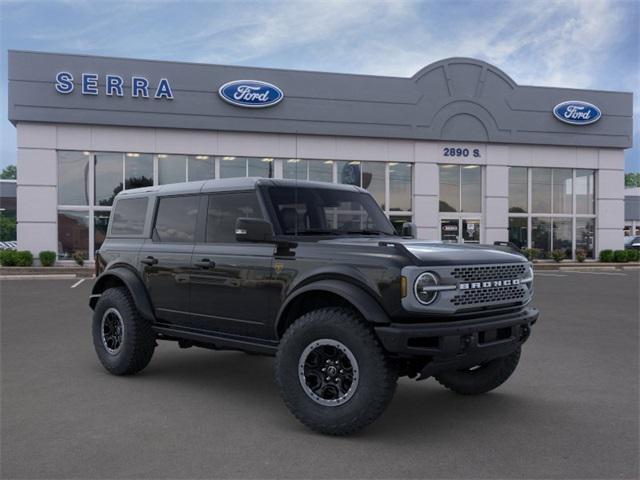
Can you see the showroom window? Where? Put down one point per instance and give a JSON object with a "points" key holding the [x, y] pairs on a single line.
{"points": [[89, 181], [552, 209]]}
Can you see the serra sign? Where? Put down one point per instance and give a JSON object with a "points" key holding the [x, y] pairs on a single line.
{"points": [[113, 85], [576, 112]]}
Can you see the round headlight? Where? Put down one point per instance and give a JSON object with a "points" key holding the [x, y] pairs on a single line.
{"points": [[424, 288]]}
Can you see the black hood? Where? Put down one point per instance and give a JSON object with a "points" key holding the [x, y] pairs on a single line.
{"points": [[437, 253]]}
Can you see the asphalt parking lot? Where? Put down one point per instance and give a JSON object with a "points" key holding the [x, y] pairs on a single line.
{"points": [[569, 411]]}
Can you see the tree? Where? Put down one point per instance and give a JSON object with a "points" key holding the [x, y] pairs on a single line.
{"points": [[9, 172], [632, 180]]}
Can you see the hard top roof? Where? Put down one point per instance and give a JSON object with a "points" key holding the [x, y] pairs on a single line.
{"points": [[230, 184]]}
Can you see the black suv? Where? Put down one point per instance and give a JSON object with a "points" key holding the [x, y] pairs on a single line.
{"points": [[314, 274]]}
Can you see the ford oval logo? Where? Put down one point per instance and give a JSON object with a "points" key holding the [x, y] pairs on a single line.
{"points": [[576, 112], [250, 93]]}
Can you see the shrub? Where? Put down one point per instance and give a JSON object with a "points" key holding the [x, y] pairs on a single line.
{"points": [[24, 258], [558, 255], [531, 253], [79, 256], [581, 254], [620, 256], [8, 258], [47, 258], [606, 256], [633, 255]]}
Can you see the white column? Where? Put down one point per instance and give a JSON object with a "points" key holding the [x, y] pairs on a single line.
{"points": [[37, 196], [610, 200], [426, 191], [496, 204]]}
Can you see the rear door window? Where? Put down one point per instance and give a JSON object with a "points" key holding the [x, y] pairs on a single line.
{"points": [[129, 215], [176, 219]]}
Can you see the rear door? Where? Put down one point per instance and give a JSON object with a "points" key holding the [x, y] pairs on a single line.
{"points": [[166, 257], [232, 289]]}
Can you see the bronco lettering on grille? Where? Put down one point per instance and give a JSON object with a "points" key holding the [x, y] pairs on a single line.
{"points": [[494, 283]]}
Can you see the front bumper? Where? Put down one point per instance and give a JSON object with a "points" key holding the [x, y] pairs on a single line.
{"points": [[454, 345]]}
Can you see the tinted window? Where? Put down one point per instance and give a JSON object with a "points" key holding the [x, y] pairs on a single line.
{"points": [[224, 210], [128, 216], [176, 219], [311, 211]]}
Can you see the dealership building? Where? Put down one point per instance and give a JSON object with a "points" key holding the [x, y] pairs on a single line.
{"points": [[459, 148]]}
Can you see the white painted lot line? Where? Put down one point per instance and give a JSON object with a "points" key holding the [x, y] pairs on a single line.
{"points": [[78, 283], [550, 275], [597, 273], [55, 276]]}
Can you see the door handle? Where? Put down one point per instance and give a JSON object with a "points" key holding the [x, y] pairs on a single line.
{"points": [[205, 263], [149, 261]]}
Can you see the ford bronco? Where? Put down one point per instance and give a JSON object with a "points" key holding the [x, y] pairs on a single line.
{"points": [[314, 274]]}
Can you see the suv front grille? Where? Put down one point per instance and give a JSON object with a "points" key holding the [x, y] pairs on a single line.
{"points": [[490, 295], [482, 273]]}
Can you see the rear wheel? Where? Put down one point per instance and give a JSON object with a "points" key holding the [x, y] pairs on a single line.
{"points": [[332, 373], [122, 338], [480, 378]]}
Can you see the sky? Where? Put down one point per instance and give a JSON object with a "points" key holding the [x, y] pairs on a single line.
{"points": [[569, 43]]}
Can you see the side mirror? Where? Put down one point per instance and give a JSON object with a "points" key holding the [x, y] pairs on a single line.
{"points": [[507, 245], [254, 230], [409, 230]]}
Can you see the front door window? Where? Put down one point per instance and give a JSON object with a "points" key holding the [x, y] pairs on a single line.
{"points": [[460, 230]]}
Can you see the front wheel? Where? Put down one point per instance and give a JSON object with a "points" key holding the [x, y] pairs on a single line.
{"points": [[480, 378], [332, 372]]}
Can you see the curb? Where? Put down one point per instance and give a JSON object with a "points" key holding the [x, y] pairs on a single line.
{"points": [[52, 276]]}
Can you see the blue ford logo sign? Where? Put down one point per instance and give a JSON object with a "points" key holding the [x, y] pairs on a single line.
{"points": [[576, 112], [250, 93]]}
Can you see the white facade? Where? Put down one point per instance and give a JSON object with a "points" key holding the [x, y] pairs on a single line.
{"points": [[38, 176]]}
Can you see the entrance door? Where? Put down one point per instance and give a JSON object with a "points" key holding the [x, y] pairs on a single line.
{"points": [[460, 230]]}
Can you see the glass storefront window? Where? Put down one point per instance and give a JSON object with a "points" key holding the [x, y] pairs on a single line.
{"points": [[201, 167], [541, 235], [260, 167], [349, 173], [449, 188], [73, 178], [562, 190], [518, 190], [373, 178], [541, 190], [294, 168], [518, 231], [585, 191], [471, 231], [171, 169], [450, 230], [398, 221], [100, 222], [562, 235], [108, 177], [73, 233], [138, 170], [585, 235], [471, 192], [320, 170], [400, 186], [231, 167]]}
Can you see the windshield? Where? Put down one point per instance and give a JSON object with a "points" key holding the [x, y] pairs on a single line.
{"points": [[318, 211]]}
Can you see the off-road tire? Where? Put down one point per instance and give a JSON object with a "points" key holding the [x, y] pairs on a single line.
{"points": [[138, 342], [483, 379], [377, 376]]}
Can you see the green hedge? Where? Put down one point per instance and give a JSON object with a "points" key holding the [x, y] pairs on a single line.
{"points": [[620, 256], [606, 256], [47, 258], [633, 255], [558, 255], [16, 258]]}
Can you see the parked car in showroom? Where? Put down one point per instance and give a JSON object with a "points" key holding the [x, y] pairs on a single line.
{"points": [[632, 242], [314, 274]]}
